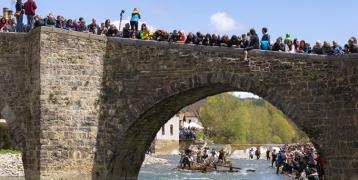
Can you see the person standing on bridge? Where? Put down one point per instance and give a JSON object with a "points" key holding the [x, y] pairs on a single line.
{"points": [[265, 40], [19, 14], [30, 8], [134, 20], [254, 43]]}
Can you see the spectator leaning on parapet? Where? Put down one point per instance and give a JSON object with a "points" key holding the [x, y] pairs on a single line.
{"points": [[93, 27], [352, 46], [327, 49], [112, 31], [337, 49], [144, 32], [11, 25], [279, 45], [135, 18], [234, 42], [30, 8], [126, 32], [317, 48], [3, 25], [289, 47], [303, 48]]}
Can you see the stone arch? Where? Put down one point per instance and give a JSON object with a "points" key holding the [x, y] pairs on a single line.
{"points": [[14, 126], [128, 155]]}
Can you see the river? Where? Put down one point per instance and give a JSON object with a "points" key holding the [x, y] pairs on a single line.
{"points": [[166, 171]]}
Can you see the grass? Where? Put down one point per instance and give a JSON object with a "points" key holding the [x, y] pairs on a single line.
{"points": [[9, 151]]}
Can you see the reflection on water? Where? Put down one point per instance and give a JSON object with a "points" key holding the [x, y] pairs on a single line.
{"points": [[166, 171]]}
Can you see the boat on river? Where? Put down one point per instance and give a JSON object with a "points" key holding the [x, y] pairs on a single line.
{"points": [[213, 167]]}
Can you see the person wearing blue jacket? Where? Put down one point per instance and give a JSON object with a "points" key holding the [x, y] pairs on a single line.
{"points": [[134, 20]]}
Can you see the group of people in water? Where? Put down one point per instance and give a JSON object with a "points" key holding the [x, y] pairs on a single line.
{"points": [[300, 161], [206, 158]]}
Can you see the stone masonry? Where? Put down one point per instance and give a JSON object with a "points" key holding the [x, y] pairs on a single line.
{"points": [[83, 106]]}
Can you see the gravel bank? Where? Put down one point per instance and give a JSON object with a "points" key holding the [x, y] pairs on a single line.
{"points": [[149, 159], [11, 165]]}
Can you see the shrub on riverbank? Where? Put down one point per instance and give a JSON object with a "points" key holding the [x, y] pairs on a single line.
{"points": [[9, 151]]}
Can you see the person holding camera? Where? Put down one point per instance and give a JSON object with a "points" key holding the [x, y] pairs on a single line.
{"points": [[134, 20]]}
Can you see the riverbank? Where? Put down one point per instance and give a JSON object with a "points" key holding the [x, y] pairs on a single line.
{"points": [[152, 159], [11, 165]]}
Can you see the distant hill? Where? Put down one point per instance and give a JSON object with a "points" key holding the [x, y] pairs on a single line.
{"points": [[232, 120]]}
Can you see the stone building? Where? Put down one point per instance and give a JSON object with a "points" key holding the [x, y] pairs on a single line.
{"points": [[167, 139], [8, 14]]}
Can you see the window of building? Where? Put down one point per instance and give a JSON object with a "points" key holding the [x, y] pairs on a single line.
{"points": [[163, 130], [171, 130]]}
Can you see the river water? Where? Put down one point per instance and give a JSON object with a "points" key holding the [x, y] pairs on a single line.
{"points": [[166, 171]]}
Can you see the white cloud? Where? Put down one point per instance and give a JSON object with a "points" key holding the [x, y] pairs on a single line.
{"points": [[223, 23], [245, 95]]}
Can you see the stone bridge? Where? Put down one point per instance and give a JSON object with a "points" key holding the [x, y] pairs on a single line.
{"points": [[83, 106]]}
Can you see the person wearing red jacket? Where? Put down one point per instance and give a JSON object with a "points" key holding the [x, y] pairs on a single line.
{"points": [[30, 7]]}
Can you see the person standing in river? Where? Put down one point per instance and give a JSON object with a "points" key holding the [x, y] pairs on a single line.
{"points": [[274, 157], [268, 154], [257, 153], [251, 153]]}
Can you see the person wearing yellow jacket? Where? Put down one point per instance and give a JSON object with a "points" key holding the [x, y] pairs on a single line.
{"points": [[145, 33], [134, 20]]}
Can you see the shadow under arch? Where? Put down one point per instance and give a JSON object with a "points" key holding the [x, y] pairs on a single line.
{"points": [[129, 154]]}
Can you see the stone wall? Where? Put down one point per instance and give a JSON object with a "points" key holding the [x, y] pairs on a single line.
{"points": [[19, 93], [83, 105], [166, 147], [71, 76]]}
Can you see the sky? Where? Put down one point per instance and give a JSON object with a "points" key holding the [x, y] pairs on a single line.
{"points": [[303, 19]]}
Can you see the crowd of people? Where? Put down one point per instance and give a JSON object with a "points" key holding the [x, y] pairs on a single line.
{"points": [[187, 134], [300, 161], [247, 41], [204, 156]]}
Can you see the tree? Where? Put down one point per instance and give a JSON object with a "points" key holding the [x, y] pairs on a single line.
{"points": [[231, 120]]}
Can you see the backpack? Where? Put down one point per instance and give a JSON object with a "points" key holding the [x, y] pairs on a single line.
{"points": [[19, 9], [265, 45]]}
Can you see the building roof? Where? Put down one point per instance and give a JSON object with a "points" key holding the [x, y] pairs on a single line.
{"points": [[191, 114]]}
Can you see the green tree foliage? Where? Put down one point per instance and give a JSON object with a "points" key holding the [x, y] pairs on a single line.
{"points": [[231, 120]]}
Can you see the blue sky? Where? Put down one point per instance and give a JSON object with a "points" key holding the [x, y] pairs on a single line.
{"points": [[304, 19]]}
